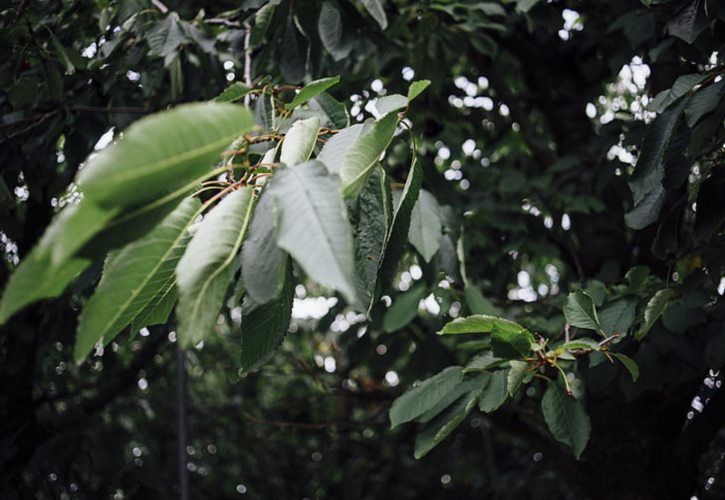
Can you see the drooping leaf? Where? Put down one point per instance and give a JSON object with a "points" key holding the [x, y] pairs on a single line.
{"points": [[516, 376], [629, 364], [265, 326], [158, 309], [365, 153], [262, 21], [420, 399], [263, 272], [581, 312], [162, 153], [617, 317], [398, 236], [294, 53], [312, 89], [416, 88], [204, 272], [566, 418], [300, 141], [375, 9], [443, 424], [312, 226], [477, 303], [654, 309], [330, 28], [426, 225], [370, 216], [134, 277]]}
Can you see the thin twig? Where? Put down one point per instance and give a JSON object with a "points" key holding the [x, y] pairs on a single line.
{"points": [[247, 60]]}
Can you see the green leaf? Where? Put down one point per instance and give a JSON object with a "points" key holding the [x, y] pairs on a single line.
{"points": [[618, 316], [525, 5], [703, 102], [295, 55], [312, 89], [397, 237], [312, 225], [482, 362], [370, 215], [509, 343], [516, 375], [650, 169], [404, 309], [682, 86], [646, 211], [479, 323], [375, 9], [495, 393], [582, 343], [443, 424], [425, 396], [262, 21], [426, 225], [158, 309], [477, 303], [300, 141], [654, 309], [204, 272], [233, 92], [133, 278], [335, 149], [689, 22], [566, 418], [263, 270], [166, 36], [330, 28], [265, 326], [336, 112], [580, 311], [629, 364], [416, 88], [362, 157], [162, 153], [75, 226], [389, 103]]}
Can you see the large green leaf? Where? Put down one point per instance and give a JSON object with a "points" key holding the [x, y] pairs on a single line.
{"points": [[312, 225], [162, 153], [376, 10], [422, 398], [508, 343], [362, 157], [133, 279], [566, 418], [300, 141], [158, 310], [76, 225], [581, 312], [265, 326], [654, 309], [263, 271], [426, 225], [204, 272], [703, 102], [312, 89], [331, 30], [495, 393], [404, 309]]}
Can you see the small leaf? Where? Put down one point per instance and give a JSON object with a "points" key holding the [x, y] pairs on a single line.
{"points": [[582, 343], [703, 102], [161, 153], [516, 375], [617, 317], [404, 309], [365, 153], [479, 323], [204, 272], [654, 309], [629, 364], [233, 92], [416, 88], [426, 225], [420, 399], [566, 418], [389, 103], [375, 9], [312, 89], [265, 326], [580, 311], [300, 141], [312, 225]]}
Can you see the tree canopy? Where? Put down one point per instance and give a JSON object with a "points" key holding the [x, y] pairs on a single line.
{"points": [[362, 249]]}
